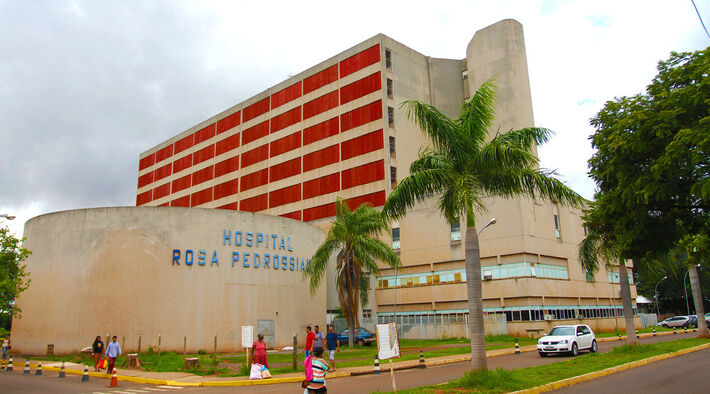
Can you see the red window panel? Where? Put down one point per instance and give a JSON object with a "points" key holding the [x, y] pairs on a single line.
{"points": [[202, 175], [256, 109], [201, 197], [358, 146], [229, 122], [320, 186], [285, 196], [321, 78], [285, 170], [204, 134], [321, 158], [293, 215], [360, 88], [255, 132], [164, 153], [144, 198], [232, 206], [182, 183], [363, 174], [184, 143], [145, 179], [203, 154], [162, 172], [225, 189], [165, 204], [147, 161], [319, 212], [254, 204], [285, 119], [360, 116], [161, 191], [182, 163], [255, 155], [284, 96], [254, 179], [227, 144], [320, 131], [285, 144], [226, 166], [360, 60], [320, 104], [181, 202], [377, 199]]}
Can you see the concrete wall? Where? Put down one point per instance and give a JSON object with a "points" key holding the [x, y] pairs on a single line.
{"points": [[518, 329], [111, 270]]}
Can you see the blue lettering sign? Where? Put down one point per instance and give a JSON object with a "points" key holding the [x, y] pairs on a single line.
{"points": [[257, 260], [284, 262], [214, 259], [235, 257], [274, 237], [227, 240], [237, 234], [290, 249], [188, 257], [283, 244], [245, 259], [266, 260], [201, 255], [250, 239], [276, 262], [176, 256], [291, 263], [259, 238]]}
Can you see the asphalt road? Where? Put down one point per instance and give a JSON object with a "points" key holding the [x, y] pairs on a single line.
{"points": [[685, 374], [16, 382]]}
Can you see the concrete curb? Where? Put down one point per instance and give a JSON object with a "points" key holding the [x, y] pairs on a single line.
{"points": [[598, 374]]}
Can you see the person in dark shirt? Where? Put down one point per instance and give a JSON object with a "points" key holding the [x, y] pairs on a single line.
{"points": [[97, 349], [333, 345]]}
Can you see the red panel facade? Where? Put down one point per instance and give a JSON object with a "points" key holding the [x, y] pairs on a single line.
{"points": [[146, 161], [320, 131], [293, 215], [285, 119], [201, 197], [204, 134], [181, 202], [255, 132], [182, 183], [226, 166], [144, 197], [145, 179], [184, 143], [229, 122], [360, 88], [285, 170], [255, 155], [285, 196], [285, 144], [164, 153], [319, 79], [255, 204], [320, 104], [358, 146], [161, 191], [284, 96], [363, 174], [321, 158], [232, 206], [227, 144], [377, 199], [360, 116], [162, 172], [225, 189], [203, 154], [202, 175], [323, 185], [319, 212], [254, 179], [182, 163], [360, 60], [256, 109]]}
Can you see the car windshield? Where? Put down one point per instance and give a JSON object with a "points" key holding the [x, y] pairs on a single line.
{"points": [[562, 331]]}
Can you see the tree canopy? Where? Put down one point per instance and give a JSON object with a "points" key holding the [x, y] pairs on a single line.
{"points": [[13, 278]]}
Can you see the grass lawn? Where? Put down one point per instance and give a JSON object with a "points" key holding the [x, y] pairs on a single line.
{"points": [[502, 381]]}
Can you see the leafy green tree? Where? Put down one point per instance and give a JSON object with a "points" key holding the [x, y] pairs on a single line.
{"points": [[353, 237], [13, 278], [652, 165], [462, 168]]}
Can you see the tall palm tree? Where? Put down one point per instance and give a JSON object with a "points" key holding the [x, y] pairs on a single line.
{"points": [[461, 168], [353, 236]]}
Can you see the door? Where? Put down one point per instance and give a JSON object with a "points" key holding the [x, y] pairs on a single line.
{"points": [[266, 327]]}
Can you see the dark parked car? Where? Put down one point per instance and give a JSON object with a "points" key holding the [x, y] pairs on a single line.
{"points": [[362, 337]]}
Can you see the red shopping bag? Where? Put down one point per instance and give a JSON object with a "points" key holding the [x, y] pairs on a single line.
{"points": [[102, 364]]}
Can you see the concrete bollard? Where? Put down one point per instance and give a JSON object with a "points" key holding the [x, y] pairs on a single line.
{"points": [[674, 332], [38, 372], [517, 346], [9, 365], [422, 363], [85, 376], [376, 370], [654, 331], [27, 367], [62, 373]]}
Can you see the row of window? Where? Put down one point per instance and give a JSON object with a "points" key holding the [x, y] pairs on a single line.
{"points": [[614, 277]]}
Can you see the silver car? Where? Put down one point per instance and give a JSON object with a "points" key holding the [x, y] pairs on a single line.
{"points": [[675, 321]]}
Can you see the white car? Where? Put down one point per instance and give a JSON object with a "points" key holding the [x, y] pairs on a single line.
{"points": [[567, 339]]}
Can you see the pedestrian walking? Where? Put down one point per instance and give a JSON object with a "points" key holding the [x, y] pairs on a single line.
{"points": [[113, 350], [333, 345], [97, 349], [259, 351], [318, 339], [310, 336], [319, 366], [5, 346]]}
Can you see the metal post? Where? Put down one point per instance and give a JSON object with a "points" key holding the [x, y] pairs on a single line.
{"points": [[214, 354], [685, 292], [656, 294], [140, 338], [295, 352], [159, 338], [184, 346]]}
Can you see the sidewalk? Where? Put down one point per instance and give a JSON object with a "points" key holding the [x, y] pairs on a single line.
{"points": [[190, 380]]}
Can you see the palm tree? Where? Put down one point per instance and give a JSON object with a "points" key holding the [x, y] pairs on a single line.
{"points": [[352, 235], [461, 168]]}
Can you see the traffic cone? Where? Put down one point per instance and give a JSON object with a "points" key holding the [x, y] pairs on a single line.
{"points": [[376, 370], [27, 368], [674, 332], [517, 347], [61, 371], [619, 334], [654, 331], [685, 330], [114, 378], [38, 372], [422, 363], [9, 366], [85, 376], [637, 332]]}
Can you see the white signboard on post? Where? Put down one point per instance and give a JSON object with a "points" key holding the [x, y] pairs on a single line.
{"points": [[247, 336], [387, 341]]}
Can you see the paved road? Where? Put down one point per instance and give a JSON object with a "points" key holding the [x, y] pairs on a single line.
{"points": [[16, 382], [685, 374]]}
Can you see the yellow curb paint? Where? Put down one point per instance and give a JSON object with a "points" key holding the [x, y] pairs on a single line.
{"points": [[598, 374]]}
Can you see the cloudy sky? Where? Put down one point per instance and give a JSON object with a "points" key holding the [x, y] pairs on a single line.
{"points": [[86, 86]]}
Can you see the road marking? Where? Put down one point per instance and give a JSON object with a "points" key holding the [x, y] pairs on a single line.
{"points": [[171, 387], [137, 391], [154, 389]]}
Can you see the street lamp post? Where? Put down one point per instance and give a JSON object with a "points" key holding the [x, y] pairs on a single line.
{"points": [[655, 292], [490, 223], [7, 216], [685, 291]]}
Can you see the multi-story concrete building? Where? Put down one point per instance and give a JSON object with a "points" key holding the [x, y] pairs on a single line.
{"points": [[336, 131]]}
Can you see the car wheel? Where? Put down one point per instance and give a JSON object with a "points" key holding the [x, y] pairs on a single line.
{"points": [[593, 349], [542, 354], [575, 349], [361, 342], [665, 325]]}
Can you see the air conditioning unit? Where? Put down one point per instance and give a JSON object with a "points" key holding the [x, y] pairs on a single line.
{"points": [[488, 275], [395, 245], [549, 317], [456, 236]]}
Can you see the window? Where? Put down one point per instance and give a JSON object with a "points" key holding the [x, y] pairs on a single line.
{"points": [[393, 153], [456, 231], [367, 313], [389, 88], [395, 238], [388, 59], [557, 226], [464, 75], [393, 177], [590, 275], [390, 116]]}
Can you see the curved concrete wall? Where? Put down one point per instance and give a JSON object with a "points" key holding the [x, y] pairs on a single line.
{"points": [[170, 271]]}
